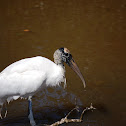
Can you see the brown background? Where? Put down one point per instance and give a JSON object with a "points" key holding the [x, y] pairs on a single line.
{"points": [[94, 31]]}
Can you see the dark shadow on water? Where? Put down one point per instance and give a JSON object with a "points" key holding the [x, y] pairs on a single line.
{"points": [[102, 108], [17, 121], [53, 114], [51, 105], [44, 116]]}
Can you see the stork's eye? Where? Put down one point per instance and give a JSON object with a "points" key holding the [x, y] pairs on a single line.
{"points": [[66, 54]]}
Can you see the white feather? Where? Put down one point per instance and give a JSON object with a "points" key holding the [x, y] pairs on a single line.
{"points": [[25, 77]]}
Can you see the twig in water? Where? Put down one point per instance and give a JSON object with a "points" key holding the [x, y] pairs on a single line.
{"points": [[66, 120]]}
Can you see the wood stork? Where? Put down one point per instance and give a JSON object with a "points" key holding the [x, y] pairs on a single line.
{"points": [[25, 77]]}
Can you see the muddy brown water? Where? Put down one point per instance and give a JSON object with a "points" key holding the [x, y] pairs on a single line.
{"points": [[94, 31]]}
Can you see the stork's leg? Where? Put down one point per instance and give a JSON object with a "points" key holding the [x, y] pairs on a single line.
{"points": [[30, 116], [5, 110], [1, 113], [1, 108]]}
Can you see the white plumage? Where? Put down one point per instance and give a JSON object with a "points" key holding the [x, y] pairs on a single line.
{"points": [[27, 76]]}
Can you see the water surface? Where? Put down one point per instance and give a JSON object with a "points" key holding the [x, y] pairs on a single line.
{"points": [[94, 31]]}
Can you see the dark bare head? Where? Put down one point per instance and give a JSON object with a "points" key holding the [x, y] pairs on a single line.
{"points": [[63, 55]]}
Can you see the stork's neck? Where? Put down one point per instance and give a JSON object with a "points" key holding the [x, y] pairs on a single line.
{"points": [[59, 63], [58, 59]]}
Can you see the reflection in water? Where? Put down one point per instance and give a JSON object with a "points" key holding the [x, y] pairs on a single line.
{"points": [[57, 97], [51, 104], [57, 102]]}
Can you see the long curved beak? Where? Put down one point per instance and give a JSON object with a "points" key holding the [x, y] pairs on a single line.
{"points": [[75, 68]]}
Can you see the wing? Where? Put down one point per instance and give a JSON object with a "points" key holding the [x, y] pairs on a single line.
{"points": [[34, 63], [23, 77], [26, 76], [24, 83]]}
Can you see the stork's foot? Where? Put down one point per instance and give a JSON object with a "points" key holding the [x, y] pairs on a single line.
{"points": [[30, 116], [32, 121]]}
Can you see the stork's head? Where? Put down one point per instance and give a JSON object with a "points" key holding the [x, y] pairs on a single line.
{"points": [[63, 55]]}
